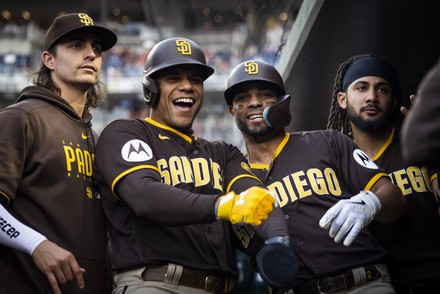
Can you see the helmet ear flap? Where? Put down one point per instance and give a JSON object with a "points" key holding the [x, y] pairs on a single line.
{"points": [[151, 91]]}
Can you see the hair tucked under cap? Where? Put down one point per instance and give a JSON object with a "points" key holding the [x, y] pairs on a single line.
{"points": [[371, 65]]}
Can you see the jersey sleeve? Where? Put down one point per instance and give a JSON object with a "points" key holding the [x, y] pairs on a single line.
{"points": [[17, 138], [155, 201], [119, 152]]}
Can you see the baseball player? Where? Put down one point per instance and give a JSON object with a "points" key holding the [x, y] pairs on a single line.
{"points": [[366, 106], [324, 184], [52, 228], [169, 196]]}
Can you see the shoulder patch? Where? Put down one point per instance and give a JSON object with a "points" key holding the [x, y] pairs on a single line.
{"points": [[363, 159], [136, 151]]}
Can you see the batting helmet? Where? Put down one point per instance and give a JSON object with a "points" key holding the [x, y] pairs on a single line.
{"points": [[253, 70], [168, 53]]}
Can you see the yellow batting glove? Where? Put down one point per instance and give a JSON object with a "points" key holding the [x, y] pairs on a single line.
{"points": [[252, 206]]}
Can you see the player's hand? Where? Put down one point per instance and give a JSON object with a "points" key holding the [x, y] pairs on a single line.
{"points": [[405, 110], [252, 206], [277, 263], [59, 265], [349, 216]]}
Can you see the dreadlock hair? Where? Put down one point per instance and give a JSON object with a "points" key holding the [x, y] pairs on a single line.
{"points": [[338, 120], [42, 78]]}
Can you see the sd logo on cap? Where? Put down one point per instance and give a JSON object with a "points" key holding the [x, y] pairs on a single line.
{"points": [[77, 22]]}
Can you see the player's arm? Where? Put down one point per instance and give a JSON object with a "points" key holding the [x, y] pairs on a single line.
{"points": [[270, 248], [16, 235], [274, 226], [391, 199], [384, 202], [272, 253], [252, 238], [57, 264], [152, 200]]}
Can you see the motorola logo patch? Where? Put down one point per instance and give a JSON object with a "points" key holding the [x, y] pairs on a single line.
{"points": [[363, 159], [136, 151]]}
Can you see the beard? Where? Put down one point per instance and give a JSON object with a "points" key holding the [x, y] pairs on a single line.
{"points": [[260, 130], [372, 125]]}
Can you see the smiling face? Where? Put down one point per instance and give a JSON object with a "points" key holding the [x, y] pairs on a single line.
{"points": [[248, 106], [369, 103], [181, 96]]}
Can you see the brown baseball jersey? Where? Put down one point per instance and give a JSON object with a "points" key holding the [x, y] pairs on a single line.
{"points": [[310, 172], [413, 242], [175, 179]]}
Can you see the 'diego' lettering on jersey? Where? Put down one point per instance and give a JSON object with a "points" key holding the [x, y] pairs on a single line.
{"points": [[79, 161], [412, 180], [181, 169], [305, 183]]}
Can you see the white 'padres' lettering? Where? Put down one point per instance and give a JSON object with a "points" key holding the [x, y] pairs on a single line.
{"points": [[181, 169], [305, 183], [412, 179]]}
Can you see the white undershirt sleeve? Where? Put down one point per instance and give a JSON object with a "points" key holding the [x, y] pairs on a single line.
{"points": [[16, 235]]}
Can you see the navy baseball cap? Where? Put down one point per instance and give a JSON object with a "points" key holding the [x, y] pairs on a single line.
{"points": [[78, 22]]}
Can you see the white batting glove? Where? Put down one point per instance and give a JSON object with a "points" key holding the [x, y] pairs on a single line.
{"points": [[349, 216]]}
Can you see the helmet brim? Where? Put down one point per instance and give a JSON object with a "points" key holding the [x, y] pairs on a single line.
{"points": [[233, 90], [206, 70]]}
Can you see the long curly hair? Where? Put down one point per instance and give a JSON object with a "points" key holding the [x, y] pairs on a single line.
{"points": [[337, 119], [95, 95]]}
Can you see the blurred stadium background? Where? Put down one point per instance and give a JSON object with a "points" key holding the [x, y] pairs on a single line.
{"points": [[305, 39], [228, 31]]}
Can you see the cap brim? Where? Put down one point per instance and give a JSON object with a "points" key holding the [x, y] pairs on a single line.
{"points": [[107, 37], [232, 91]]}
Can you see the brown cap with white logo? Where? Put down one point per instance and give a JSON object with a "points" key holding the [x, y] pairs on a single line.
{"points": [[78, 22]]}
